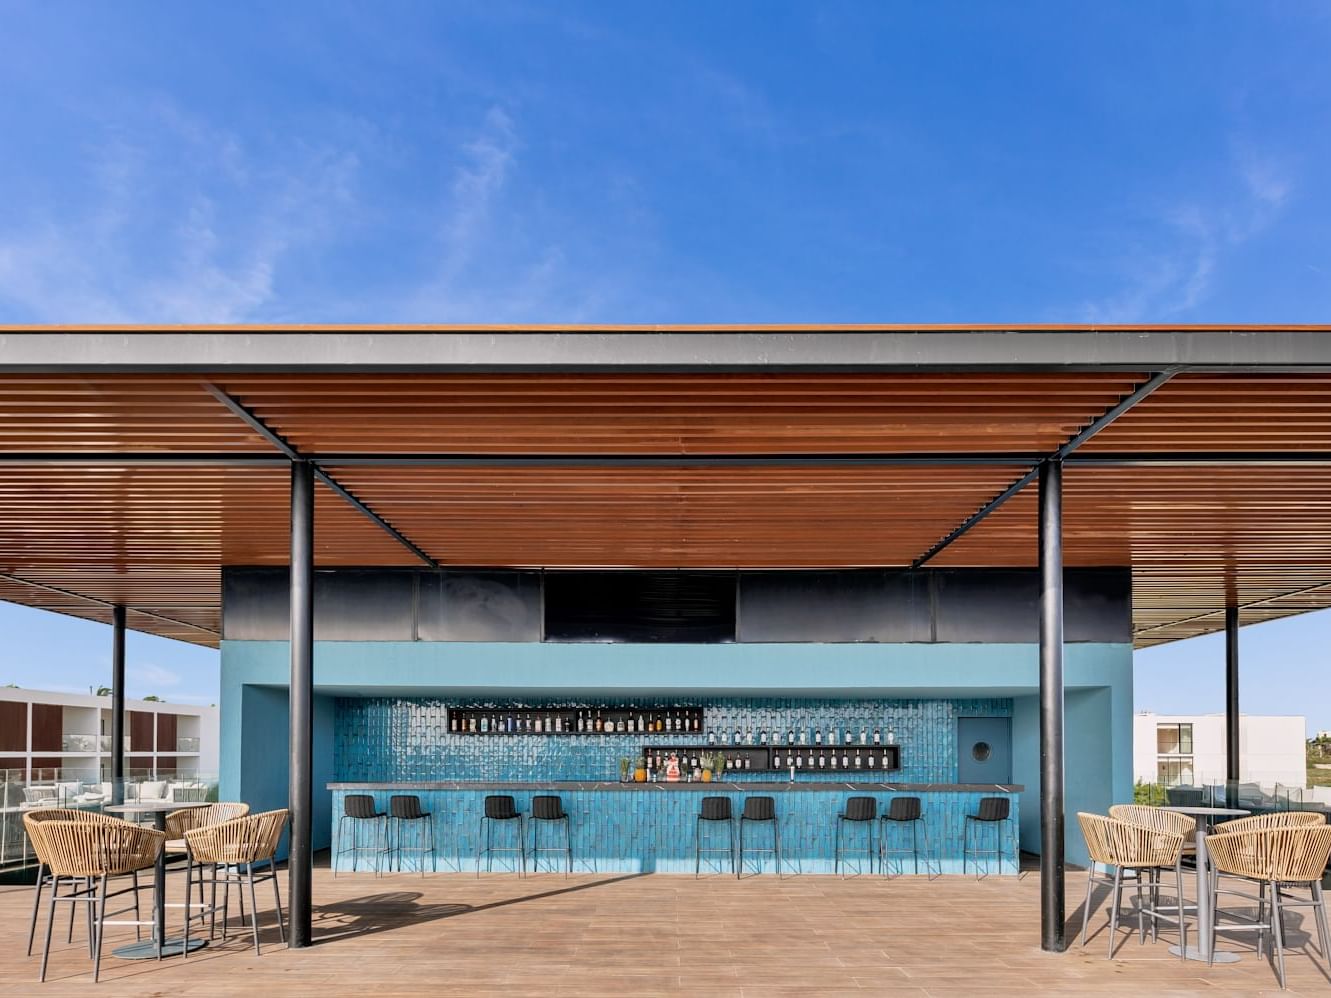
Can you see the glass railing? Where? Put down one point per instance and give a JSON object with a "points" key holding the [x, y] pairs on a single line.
{"points": [[184, 744], [1257, 798], [78, 743], [80, 787]]}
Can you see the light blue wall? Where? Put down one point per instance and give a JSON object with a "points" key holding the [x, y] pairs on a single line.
{"points": [[1099, 761]]}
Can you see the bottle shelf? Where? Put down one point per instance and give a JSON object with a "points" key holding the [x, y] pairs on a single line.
{"points": [[574, 720], [886, 758]]}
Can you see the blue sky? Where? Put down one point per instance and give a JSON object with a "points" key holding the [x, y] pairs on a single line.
{"points": [[667, 163]]}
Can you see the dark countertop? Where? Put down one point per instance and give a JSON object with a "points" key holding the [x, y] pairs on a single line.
{"points": [[769, 786]]}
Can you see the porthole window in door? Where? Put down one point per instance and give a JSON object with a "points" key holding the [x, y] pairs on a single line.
{"points": [[981, 751]]}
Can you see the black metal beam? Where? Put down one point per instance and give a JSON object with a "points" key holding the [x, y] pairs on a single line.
{"points": [[1052, 872], [149, 459], [104, 603], [252, 421], [300, 860], [443, 460], [1231, 701], [278, 441], [118, 704], [1085, 434]]}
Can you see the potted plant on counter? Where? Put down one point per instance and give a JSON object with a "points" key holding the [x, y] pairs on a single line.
{"points": [[706, 759], [718, 765], [623, 769]]}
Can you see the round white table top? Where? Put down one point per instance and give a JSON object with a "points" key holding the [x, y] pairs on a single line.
{"points": [[1236, 812], [152, 807]]}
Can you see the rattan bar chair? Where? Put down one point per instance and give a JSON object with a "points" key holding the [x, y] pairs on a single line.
{"points": [[1170, 822], [1276, 819], [187, 818], [44, 870], [82, 852], [226, 853], [1279, 860], [1137, 854]]}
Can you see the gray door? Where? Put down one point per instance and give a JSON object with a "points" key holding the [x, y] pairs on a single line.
{"points": [[984, 750]]}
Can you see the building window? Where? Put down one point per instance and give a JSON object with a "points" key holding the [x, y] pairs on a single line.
{"points": [[1173, 739], [1174, 772]]}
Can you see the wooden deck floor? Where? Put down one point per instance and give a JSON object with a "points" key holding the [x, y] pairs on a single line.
{"points": [[640, 935]]}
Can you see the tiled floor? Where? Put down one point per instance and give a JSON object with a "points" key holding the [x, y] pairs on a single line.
{"points": [[629, 935]]}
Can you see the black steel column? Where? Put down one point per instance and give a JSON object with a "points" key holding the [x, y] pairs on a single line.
{"points": [[118, 704], [1051, 707], [300, 862], [1231, 702]]}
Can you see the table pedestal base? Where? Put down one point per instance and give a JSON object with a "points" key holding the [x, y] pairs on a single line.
{"points": [[147, 950], [1195, 953]]}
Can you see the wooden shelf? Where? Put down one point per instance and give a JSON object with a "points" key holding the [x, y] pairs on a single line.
{"points": [[500, 721]]}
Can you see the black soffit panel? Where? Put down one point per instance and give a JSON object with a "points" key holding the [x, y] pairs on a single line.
{"points": [[866, 605]]}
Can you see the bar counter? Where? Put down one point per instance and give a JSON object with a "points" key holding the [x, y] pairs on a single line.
{"points": [[649, 827]]}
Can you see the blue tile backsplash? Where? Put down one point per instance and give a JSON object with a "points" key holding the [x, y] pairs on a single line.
{"points": [[383, 739]]}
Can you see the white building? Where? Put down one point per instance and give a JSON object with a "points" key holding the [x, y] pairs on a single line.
{"points": [[47, 736], [1189, 749]]}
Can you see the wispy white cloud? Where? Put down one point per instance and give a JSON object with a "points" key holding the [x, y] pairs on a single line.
{"points": [[1171, 267], [179, 225], [496, 260]]}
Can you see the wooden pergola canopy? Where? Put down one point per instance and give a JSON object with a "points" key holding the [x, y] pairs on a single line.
{"points": [[129, 480]]}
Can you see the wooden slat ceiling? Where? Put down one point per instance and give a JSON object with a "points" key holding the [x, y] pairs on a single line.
{"points": [[677, 413], [713, 518], [155, 538]]}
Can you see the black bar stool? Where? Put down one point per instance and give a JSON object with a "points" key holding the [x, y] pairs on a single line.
{"points": [[901, 811], [405, 810], [861, 810], [358, 809], [760, 809], [993, 812], [500, 807], [545, 809], [713, 809]]}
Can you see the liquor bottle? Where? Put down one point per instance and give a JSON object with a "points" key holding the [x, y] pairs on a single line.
{"points": [[803, 734], [859, 763], [845, 759], [739, 736], [834, 760], [630, 724], [453, 724], [485, 724], [864, 735], [559, 724], [891, 737], [621, 726], [582, 723], [539, 726], [660, 726], [817, 736], [711, 736], [747, 762], [877, 736], [871, 760], [599, 724], [748, 736], [790, 736], [799, 762], [471, 724], [776, 760], [642, 723], [762, 737], [697, 721], [730, 763], [822, 761]]}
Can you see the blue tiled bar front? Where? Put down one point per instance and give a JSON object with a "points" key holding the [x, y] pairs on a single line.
{"points": [[649, 828]]}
